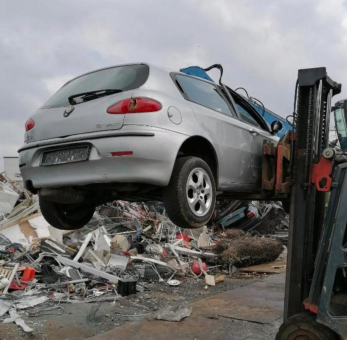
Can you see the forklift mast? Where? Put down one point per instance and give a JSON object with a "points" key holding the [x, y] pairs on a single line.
{"points": [[310, 179]]}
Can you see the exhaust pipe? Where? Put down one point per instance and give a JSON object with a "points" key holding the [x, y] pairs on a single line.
{"points": [[66, 195]]}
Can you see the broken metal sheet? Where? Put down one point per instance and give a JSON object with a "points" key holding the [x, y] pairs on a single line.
{"points": [[92, 257], [8, 198], [84, 246], [4, 242], [67, 283], [15, 219], [74, 274], [118, 261], [53, 246], [102, 242], [87, 269], [5, 305], [189, 252], [20, 207], [29, 301], [148, 259]]}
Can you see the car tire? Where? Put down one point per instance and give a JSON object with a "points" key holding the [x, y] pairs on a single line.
{"points": [[66, 216], [190, 197], [304, 326]]}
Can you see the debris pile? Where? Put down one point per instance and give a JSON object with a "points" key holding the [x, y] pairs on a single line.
{"points": [[240, 249], [125, 248]]}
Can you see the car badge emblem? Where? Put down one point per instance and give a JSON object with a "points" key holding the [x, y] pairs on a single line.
{"points": [[68, 110]]}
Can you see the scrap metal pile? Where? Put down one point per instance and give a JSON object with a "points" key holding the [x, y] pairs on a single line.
{"points": [[123, 250]]}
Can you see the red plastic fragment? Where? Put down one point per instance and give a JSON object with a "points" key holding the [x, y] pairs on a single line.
{"points": [[17, 286], [184, 236], [196, 268], [28, 275]]}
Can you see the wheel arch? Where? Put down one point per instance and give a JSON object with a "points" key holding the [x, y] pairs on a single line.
{"points": [[201, 147]]}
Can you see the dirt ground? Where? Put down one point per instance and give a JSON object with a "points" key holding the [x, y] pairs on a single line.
{"points": [[83, 320]]}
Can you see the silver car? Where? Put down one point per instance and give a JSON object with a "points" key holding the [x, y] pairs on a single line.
{"points": [[141, 132]]}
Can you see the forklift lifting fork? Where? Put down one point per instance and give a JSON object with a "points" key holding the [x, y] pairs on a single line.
{"points": [[316, 281]]}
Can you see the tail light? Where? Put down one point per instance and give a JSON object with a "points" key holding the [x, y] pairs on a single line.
{"points": [[121, 153], [29, 124], [251, 214], [134, 105]]}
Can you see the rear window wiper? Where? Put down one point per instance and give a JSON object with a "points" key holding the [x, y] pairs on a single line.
{"points": [[92, 95]]}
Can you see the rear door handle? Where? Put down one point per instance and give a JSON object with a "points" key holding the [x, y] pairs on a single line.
{"points": [[253, 132]]}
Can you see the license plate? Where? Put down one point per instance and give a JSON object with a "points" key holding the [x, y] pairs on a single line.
{"points": [[78, 154]]}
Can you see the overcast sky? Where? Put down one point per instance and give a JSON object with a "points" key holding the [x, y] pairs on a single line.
{"points": [[260, 43]]}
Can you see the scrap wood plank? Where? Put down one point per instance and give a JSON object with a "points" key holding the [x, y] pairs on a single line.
{"points": [[275, 267], [265, 269], [27, 229], [24, 219], [5, 273], [27, 218]]}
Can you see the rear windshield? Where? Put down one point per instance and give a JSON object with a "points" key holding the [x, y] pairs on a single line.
{"points": [[119, 78]]}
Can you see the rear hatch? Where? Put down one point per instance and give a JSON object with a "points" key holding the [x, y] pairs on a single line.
{"points": [[61, 117]]}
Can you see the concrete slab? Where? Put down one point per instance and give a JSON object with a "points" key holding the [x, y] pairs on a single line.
{"points": [[193, 328], [248, 313], [261, 302]]}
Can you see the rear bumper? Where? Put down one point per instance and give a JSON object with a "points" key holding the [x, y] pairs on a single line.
{"points": [[154, 153]]}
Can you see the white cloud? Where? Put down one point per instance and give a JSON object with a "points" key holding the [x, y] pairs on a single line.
{"points": [[53, 84], [261, 45]]}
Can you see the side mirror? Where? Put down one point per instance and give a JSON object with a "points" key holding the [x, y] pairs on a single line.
{"points": [[276, 126]]}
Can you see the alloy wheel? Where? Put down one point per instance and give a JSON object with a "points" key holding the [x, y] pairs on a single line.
{"points": [[199, 192]]}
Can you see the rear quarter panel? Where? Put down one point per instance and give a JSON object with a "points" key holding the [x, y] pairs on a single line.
{"points": [[160, 86]]}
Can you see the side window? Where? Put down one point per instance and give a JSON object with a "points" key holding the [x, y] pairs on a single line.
{"points": [[246, 116], [203, 93]]}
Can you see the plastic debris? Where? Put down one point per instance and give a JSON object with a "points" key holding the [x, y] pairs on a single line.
{"points": [[14, 317], [196, 267], [174, 282]]}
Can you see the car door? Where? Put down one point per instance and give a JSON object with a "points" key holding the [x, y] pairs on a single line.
{"points": [[259, 132], [231, 140]]}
